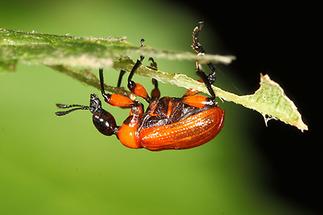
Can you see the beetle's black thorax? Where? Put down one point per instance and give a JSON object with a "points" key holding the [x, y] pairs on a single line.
{"points": [[167, 110]]}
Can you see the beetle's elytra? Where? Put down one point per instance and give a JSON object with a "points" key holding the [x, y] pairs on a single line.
{"points": [[168, 122]]}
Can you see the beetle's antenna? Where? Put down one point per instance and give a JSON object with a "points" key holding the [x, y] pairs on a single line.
{"points": [[64, 106]]}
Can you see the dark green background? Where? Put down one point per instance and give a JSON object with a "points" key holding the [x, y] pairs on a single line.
{"points": [[51, 165]]}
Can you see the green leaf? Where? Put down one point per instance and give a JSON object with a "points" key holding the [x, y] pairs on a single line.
{"points": [[74, 56], [271, 101], [83, 52]]}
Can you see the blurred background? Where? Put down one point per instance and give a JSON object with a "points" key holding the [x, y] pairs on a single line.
{"points": [[51, 165]]}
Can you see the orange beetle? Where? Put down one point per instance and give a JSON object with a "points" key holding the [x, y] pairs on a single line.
{"points": [[168, 122]]}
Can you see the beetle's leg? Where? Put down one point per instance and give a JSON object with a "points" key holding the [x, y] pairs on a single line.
{"points": [[153, 64], [121, 74], [134, 87], [155, 93], [114, 99], [196, 45], [127, 132], [205, 79], [207, 82], [191, 98], [198, 48], [200, 101]]}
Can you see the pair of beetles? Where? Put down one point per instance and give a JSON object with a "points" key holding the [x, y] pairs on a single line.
{"points": [[168, 122]]}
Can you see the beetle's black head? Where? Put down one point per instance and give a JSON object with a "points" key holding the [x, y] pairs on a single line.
{"points": [[102, 119]]}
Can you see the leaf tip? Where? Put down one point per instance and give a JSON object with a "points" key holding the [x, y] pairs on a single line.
{"points": [[301, 125], [266, 78], [293, 117]]}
